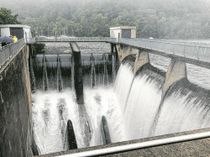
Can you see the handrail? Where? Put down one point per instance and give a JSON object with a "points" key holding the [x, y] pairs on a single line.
{"points": [[196, 52], [188, 51], [140, 145], [8, 51], [72, 39]]}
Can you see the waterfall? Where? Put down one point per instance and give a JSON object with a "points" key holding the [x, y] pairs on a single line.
{"points": [[123, 83], [186, 107], [45, 84], [142, 105], [93, 71], [113, 66], [130, 107], [51, 111], [139, 97], [103, 102], [105, 70]]}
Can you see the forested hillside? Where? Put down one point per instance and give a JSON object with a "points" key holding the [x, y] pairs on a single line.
{"points": [[153, 18]]}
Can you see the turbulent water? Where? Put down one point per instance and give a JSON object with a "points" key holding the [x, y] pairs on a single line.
{"points": [[142, 104], [133, 106], [52, 110]]}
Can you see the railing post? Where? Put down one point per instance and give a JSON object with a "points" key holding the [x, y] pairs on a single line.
{"points": [[77, 72]]}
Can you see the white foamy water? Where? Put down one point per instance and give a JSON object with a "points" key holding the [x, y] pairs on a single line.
{"points": [[142, 106], [103, 102], [181, 113], [130, 108], [123, 83], [52, 110]]}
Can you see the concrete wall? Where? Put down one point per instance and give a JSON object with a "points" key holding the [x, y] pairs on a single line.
{"points": [[114, 33], [133, 33], [15, 108]]}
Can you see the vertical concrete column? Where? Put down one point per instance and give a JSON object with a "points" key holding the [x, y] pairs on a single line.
{"points": [[78, 77], [176, 72], [142, 58], [112, 48], [93, 71], [72, 72], [59, 74], [113, 52], [121, 50], [45, 83], [124, 51], [106, 138]]}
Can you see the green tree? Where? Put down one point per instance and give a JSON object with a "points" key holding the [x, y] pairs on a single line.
{"points": [[6, 17]]}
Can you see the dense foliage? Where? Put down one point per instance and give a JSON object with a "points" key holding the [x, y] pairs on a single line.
{"points": [[153, 18], [6, 17]]}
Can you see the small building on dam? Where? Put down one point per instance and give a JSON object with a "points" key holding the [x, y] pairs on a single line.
{"points": [[20, 31], [123, 32]]}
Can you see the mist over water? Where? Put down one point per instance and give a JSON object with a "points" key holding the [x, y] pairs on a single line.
{"points": [[52, 110]]}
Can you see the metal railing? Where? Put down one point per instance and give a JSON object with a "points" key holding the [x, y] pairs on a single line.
{"points": [[192, 50], [195, 51], [73, 39], [8, 51], [140, 145]]}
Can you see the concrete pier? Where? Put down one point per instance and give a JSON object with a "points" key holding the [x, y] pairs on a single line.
{"points": [[124, 51], [176, 72], [142, 58], [45, 75], [72, 143], [114, 60], [105, 131], [59, 74], [93, 71], [77, 72]]}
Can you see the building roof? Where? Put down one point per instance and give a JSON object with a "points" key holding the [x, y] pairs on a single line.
{"points": [[14, 26], [123, 27]]}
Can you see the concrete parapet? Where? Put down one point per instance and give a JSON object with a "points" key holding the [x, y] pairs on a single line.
{"points": [[77, 73]]}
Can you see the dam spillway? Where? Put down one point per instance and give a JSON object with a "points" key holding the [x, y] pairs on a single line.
{"points": [[132, 103], [125, 106]]}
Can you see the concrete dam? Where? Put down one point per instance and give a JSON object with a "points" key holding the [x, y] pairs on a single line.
{"points": [[102, 97]]}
